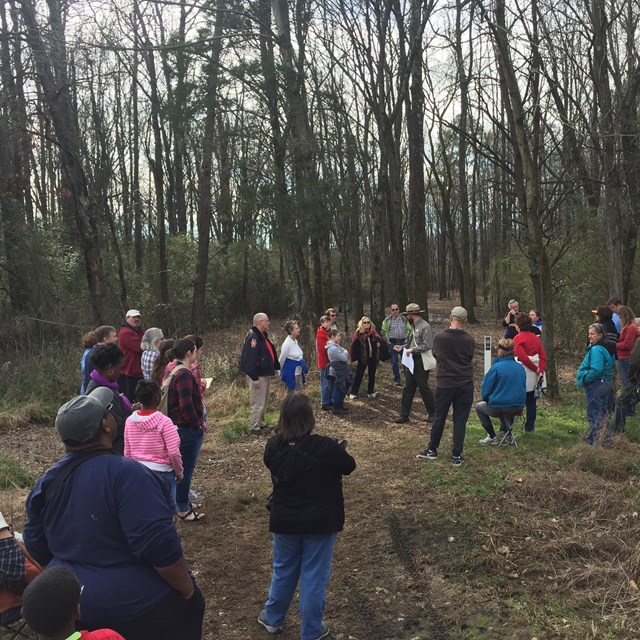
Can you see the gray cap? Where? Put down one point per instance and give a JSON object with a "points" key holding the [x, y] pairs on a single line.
{"points": [[78, 421], [460, 313]]}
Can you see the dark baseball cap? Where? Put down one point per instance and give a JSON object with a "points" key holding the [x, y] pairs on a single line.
{"points": [[78, 421]]}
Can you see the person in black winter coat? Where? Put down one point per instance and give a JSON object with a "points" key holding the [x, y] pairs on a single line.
{"points": [[306, 513]]}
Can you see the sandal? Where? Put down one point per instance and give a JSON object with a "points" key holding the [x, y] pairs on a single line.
{"points": [[191, 516]]}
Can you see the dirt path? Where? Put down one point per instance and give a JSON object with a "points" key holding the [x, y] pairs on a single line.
{"points": [[395, 576]]}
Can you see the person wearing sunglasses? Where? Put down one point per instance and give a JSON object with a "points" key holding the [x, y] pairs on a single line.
{"points": [[333, 316], [365, 352]]}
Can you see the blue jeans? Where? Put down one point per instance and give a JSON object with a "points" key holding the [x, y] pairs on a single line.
{"points": [[169, 480], [337, 396], [597, 409], [325, 387], [395, 356], [307, 558], [190, 443]]}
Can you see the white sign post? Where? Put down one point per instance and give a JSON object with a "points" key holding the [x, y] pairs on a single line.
{"points": [[487, 353]]}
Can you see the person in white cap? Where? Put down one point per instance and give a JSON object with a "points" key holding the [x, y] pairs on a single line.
{"points": [[108, 519], [130, 342]]}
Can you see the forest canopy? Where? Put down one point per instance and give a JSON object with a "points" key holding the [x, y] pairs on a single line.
{"points": [[207, 159]]}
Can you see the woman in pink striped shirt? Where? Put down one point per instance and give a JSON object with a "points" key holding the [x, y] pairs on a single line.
{"points": [[152, 439]]}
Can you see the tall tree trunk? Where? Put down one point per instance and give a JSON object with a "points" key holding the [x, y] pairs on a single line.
{"points": [[205, 173], [51, 66]]}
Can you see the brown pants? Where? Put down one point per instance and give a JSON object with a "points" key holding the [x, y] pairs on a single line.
{"points": [[258, 400]]}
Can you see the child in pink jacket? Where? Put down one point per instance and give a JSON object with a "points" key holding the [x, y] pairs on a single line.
{"points": [[152, 439]]}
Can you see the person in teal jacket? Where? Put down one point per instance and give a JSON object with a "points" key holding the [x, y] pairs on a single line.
{"points": [[504, 391], [594, 376]]}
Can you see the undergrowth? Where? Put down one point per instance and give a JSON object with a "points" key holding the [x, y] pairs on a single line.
{"points": [[12, 475]]}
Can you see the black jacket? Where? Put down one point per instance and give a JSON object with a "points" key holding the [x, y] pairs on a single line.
{"points": [[256, 360], [307, 485]]}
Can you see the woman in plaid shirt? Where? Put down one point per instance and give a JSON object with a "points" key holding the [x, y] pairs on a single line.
{"points": [[185, 408]]}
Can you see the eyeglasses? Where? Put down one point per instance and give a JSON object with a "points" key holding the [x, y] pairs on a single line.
{"points": [[396, 309], [366, 322], [333, 315]]}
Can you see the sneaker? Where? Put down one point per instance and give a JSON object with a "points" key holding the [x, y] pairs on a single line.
{"points": [[352, 396], [428, 454], [489, 440], [457, 461], [194, 496], [401, 420], [324, 631], [262, 619], [371, 395]]}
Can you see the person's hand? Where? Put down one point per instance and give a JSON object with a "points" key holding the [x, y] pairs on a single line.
{"points": [[256, 384], [136, 406], [180, 478], [409, 350], [397, 348]]}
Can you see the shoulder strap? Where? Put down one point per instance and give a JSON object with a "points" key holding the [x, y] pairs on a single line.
{"points": [[70, 467]]}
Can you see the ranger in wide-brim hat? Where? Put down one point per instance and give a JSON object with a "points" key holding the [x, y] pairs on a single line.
{"points": [[412, 307]]}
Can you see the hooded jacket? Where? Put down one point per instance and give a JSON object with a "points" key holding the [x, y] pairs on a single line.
{"points": [[152, 439]]}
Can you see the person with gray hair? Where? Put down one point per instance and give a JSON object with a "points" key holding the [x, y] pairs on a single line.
{"points": [[594, 376], [509, 322], [150, 344], [259, 361], [454, 349]]}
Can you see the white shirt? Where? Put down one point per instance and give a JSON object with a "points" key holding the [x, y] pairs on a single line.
{"points": [[291, 349]]}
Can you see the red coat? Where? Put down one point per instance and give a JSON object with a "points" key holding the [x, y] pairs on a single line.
{"points": [[527, 344], [129, 340], [627, 338], [322, 335]]}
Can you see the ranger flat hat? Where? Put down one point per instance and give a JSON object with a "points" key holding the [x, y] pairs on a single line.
{"points": [[412, 307]]}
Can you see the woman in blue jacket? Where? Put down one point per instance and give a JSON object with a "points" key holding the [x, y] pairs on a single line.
{"points": [[504, 390], [594, 376]]}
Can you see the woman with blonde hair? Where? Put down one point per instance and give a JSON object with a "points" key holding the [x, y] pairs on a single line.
{"points": [[365, 352]]}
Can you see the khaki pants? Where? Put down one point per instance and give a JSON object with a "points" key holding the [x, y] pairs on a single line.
{"points": [[258, 400]]}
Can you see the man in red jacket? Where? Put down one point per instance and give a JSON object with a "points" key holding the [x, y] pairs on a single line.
{"points": [[322, 335], [129, 340]]}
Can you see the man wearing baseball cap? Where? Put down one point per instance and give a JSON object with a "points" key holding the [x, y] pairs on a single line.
{"points": [[454, 349], [108, 519], [130, 340]]}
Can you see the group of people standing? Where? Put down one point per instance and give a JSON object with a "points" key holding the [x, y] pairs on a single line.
{"points": [[157, 401]]}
